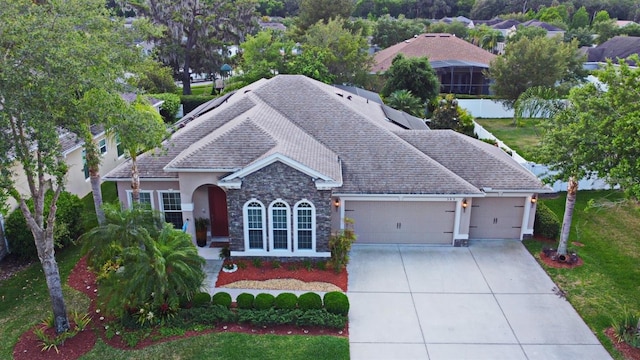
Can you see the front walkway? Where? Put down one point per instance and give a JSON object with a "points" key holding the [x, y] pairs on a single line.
{"points": [[488, 301]]}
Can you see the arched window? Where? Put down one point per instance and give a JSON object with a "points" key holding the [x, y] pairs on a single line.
{"points": [[279, 225], [304, 221], [255, 232]]}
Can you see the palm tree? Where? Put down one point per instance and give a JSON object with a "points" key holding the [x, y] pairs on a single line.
{"points": [[126, 228], [404, 100], [155, 276]]}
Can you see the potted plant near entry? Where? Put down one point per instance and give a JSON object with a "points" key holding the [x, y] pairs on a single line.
{"points": [[201, 231]]}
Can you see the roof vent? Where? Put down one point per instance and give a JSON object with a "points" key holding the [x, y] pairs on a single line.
{"points": [[349, 97], [407, 41], [246, 91], [339, 94]]}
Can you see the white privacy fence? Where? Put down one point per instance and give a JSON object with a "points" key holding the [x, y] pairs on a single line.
{"points": [[539, 170]]}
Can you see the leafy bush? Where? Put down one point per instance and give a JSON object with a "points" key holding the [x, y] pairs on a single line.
{"points": [[267, 316], [201, 299], [168, 109], [221, 298], [310, 301], [340, 245], [67, 228], [286, 301], [208, 315], [263, 301], [627, 328], [190, 102], [245, 301], [336, 302], [546, 223], [257, 263], [321, 317]]}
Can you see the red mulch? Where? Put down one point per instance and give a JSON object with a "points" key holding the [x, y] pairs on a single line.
{"points": [[82, 279], [285, 271], [627, 351]]}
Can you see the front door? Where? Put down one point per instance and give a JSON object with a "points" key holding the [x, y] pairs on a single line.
{"points": [[218, 211]]}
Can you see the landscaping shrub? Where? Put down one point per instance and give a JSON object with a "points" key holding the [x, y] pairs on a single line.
{"points": [[268, 316], [68, 225], [310, 301], [168, 109], [321, 318], [286, 301], [340, 245], [263, 301], [546, 223], [627, 327], [221, 298], [201, 299], [190, 102], [336, 302], [245, 301], [207, 315]]}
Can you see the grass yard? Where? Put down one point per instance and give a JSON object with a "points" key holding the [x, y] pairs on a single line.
{"points": [[609, 280], [523, 139]]}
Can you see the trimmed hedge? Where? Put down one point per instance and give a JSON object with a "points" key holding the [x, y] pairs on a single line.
{"points": [[287, 301], [546, 223], [221, 298], [245, 301], [263, 301], [310, 301], [336, 302], [201, 299]]}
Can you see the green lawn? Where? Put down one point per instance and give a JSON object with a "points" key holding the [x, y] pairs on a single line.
{"points": [[523, 139], [609, 280]]}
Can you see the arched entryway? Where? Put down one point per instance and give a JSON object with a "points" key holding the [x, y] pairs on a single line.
{"points": [[218, 211]]}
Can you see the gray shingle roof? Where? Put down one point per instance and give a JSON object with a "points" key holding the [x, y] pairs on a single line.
{"points": [[342, 137], [481, 164]]}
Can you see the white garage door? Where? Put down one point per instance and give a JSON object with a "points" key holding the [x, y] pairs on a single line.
{"points": [[397, 222], [496, 218]]}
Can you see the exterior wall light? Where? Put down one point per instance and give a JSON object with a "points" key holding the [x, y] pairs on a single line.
{"points": [[336, 203], [464, 204], [534, 199]]}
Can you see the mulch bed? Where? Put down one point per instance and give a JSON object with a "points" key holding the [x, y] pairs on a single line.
{"points": [[559, 265], [288, 270], [83, 280], [627, 351]]}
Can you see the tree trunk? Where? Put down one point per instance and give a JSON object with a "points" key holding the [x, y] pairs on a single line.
{"points": [[54, 284], [94, 176], [186, 76], [135, 181], [572, 190]]}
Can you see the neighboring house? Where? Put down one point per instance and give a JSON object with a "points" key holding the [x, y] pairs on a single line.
{"points": [[278, 165], [276, 26], [618, 47], [459, 64], [552, 30], [466, 21]]}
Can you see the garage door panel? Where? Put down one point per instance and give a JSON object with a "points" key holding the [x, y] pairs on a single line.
{"points": [[402, 222], [496, 218]]}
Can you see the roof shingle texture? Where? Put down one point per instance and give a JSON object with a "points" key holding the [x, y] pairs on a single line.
{"points": [[436, 47]]}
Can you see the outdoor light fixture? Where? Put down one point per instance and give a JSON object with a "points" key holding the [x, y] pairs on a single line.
{"points": [[534, 199], [464, 204], [336, 203]]}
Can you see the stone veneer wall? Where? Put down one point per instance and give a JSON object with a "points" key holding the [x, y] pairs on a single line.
{"points": [[279, 181]]}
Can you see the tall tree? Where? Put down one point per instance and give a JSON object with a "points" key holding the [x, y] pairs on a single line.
{"points": [[580, 18], [527, 63], [312, 11], [54, 53], [591, 136], [414, 74], [347, 57], [390, 31], [199, 28], [139, 129]]}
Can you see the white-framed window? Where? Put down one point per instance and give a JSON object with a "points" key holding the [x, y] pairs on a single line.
{"points": [[145, 198], [102, 144], [279, 227], [119, 148], [304, 226], [255, 229], [171, 207], [85, 166]]}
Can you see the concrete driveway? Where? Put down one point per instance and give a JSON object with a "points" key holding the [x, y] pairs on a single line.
{"points": [[488, 301]]}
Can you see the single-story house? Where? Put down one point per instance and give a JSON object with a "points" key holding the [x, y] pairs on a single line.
{"points": [[458, 63], [278, 165], [618, 47]]}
